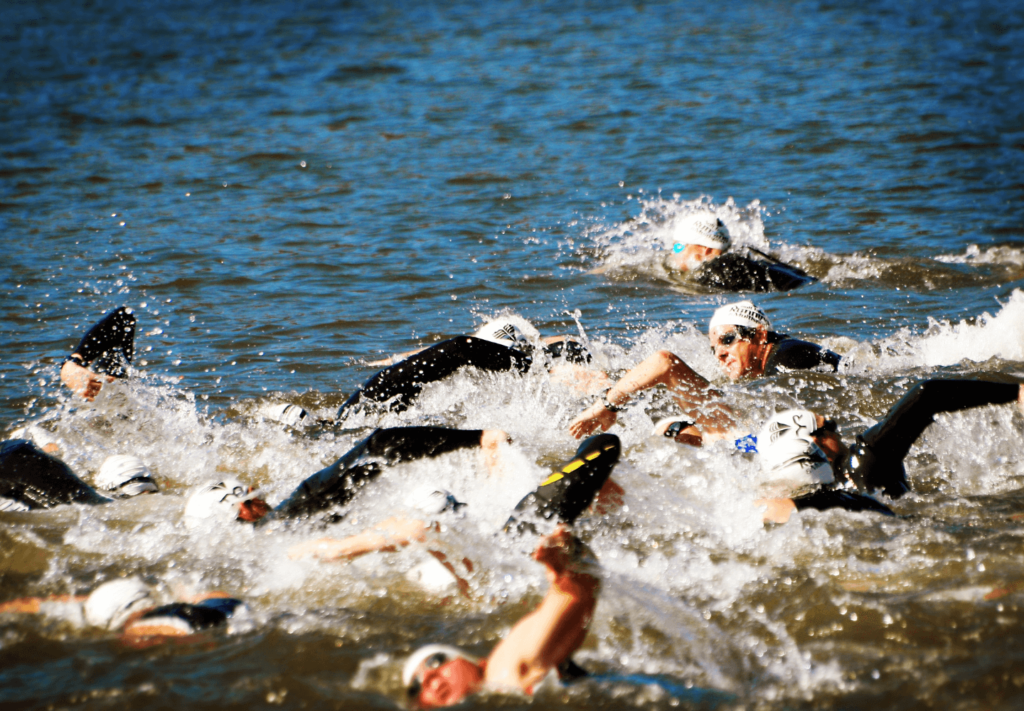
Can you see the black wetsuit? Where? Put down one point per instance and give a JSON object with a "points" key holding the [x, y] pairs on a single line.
{"points": [[736, 272], [210, 613], [337, 484], [109, 346], [793, 354], [398, 385], [876, 459], [34, 479]]}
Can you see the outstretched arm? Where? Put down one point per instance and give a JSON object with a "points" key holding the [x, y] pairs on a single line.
{"points": [[550, 634], [691, 391], [385, 536]]}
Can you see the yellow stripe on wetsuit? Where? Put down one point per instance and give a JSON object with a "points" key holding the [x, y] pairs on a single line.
{"points": [[573, 466]]}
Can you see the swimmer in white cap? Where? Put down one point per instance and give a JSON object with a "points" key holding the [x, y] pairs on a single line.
{"points": [[132, 607], [323, 493], [695, 238], [745, 345], [509, 343], [804, 449], [698, 244], [439, 675], [33, 479]]}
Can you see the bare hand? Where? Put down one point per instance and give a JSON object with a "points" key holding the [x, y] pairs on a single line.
{"points": [[594, 417], [609, 498], [82, 381], [555, 550]]}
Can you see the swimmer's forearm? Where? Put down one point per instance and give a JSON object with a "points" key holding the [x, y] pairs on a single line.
{"points": [[386, 536]]}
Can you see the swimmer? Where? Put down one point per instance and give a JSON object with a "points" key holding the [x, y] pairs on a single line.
{"points": [[744, 344], [336, 485], [103, 355], [497, 347], [439, 675], [131, 606], [805, 447], [561, 498], [699, 244], [31, 479]]}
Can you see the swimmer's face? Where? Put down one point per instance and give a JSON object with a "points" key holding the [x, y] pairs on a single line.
{"points": [[448, 683], [741, 353], [692, 256], [253, 510]]}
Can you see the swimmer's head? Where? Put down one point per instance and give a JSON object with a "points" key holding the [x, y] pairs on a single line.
{"points": [[112, 603], [701, 228], [739, 339], [225, 500], [123, 475], [432, 500], [505, 332], [788, 450], [439, 675]]}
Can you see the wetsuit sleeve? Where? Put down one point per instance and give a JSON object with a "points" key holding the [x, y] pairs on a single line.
{"points": [[824, 499], [337, 484], [39, 481], [794, 354], [876, 460], [402, 382], [109, 346], [571, 488]]}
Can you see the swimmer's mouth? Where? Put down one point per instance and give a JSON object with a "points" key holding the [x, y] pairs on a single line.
{"points": [[253, 509]]}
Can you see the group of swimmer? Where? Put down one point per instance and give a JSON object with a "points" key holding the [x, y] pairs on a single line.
{"points": [[804, 462]]}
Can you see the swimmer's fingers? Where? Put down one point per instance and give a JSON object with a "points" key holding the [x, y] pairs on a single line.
{"points": [[596, 416]]}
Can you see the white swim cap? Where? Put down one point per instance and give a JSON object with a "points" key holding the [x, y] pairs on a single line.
{"points": [[788, 451], [291, 415], [113, 602], [125, 475], [432, 500], [218, 500], [503, 332], [435, 655], [741, 313], [700, 227]]}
